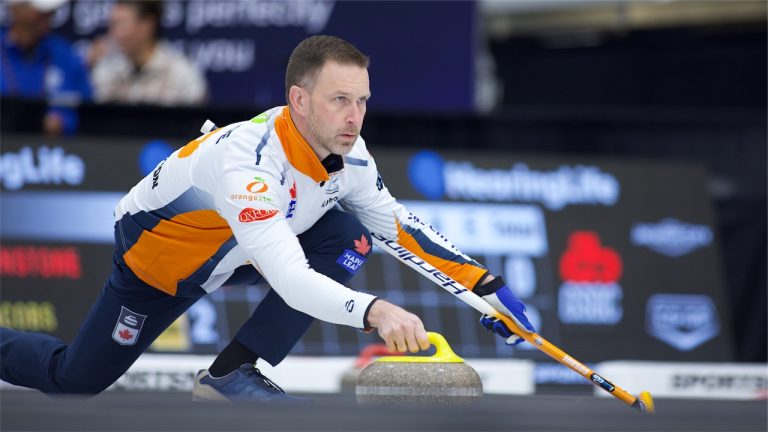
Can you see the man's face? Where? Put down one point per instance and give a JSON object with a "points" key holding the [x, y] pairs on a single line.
{"points": [[128, 30], [29, 24], [337, 104]]}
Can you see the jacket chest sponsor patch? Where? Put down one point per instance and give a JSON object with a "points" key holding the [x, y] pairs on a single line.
{"points": [[128, 327], [253, 215], [351, 261]]}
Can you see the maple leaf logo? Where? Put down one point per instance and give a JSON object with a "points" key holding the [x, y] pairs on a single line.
{"points": [[293, 191], [361, 246], [125, 334]]}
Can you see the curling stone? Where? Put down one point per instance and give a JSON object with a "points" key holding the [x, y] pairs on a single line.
{"points": [[366, 357], [443, 378]]}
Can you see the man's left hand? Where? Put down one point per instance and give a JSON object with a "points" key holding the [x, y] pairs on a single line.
{"points": [[503, 300]]}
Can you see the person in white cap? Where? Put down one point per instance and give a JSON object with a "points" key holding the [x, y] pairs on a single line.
{"points": [[37, 64]]}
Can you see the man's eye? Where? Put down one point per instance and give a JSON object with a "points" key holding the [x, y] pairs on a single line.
{"points": [[341, 99]]}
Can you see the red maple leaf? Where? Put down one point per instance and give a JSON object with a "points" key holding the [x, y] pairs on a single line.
{"points": [[125, 334], [293, 191], [362, 246]]}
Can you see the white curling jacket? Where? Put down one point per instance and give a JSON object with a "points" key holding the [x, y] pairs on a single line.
{"points": [[240, 194]]}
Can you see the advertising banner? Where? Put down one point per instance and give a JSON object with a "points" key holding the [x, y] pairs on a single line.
{"points": [[243, 46], [614, 259]]}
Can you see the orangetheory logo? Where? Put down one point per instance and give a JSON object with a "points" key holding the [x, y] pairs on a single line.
{"points": [[252, 215], [259, 186]]}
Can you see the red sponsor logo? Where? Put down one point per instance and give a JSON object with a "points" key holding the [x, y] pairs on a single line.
{"points": [[292, 191], [586, 260], [125, 334], [40, 262], [362, 246], [252, 215]]}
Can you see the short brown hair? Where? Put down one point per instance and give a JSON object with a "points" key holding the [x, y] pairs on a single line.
{"points": [[147, 9], [311, 54]]}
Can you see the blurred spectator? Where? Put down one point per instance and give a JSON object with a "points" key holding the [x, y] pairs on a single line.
{"points": [[37, 64], [133, 66]]}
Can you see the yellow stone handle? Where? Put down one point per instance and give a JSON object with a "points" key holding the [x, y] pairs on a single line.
{"points": [[443, 353]]}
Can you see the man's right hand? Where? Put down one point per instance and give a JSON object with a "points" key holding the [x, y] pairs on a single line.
{"points": [[400, 329]]}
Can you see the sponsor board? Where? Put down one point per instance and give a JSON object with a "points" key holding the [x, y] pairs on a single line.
{"points": [[41, 166], [174, 338], [555, 373], [689, 380], [511, 239], [671, 237], [30, 315], [590, 293], [486, 228], [159, 380], [683, 321], [585, 303], [28, 261], [226, 40], [163, 372], [82, 217], [567, 185]]}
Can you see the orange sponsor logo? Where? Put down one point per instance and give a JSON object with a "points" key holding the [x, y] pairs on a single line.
{"points": [[259, 186]]}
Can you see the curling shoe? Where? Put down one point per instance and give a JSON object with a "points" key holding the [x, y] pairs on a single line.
{"points": [[244, 384]]}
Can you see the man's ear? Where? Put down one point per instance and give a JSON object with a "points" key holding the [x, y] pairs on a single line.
{"points": [[298, 98]]}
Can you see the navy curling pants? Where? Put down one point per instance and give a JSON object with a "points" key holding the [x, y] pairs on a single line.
{"points": [[95, 359]]}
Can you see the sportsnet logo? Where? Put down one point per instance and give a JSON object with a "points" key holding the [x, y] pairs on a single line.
{"points": [[128, 327], [682, 321], [671, 237]]}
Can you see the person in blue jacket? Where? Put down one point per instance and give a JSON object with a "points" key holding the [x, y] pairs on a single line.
{"points": [[36, 64]]}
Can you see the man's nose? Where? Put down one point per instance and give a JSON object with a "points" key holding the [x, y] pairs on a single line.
{"points": [[355, 115]]}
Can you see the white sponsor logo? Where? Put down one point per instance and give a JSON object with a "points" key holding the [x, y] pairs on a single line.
{"points": [[590, 303], [682, 321], [721, 381], [219, 55], [555, 373], [311, 15], [554, 189], [505, 229], [50, 166], [159, 380], [671, 237]]}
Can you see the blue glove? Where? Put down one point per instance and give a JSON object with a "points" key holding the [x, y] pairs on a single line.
{"points": [[498, 294]]}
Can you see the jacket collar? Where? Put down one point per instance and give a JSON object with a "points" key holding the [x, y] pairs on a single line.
{"points": [[297, 149]]}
